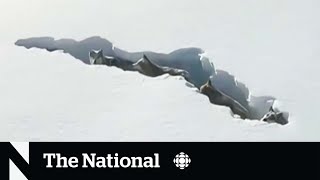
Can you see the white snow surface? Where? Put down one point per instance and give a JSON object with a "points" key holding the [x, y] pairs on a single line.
{"points": [[273, 47], [51, 96]]}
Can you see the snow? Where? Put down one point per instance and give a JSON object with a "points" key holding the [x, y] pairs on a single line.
{"points": [[50, 96], [273, 47]]}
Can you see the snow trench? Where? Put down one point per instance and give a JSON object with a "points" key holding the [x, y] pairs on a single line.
{"points": [[220, 86]]}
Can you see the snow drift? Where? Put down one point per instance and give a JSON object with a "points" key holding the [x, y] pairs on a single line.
{"points": [[198, 71]]}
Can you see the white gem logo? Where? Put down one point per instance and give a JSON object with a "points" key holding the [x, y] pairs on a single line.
{"points": [[182, 160]]}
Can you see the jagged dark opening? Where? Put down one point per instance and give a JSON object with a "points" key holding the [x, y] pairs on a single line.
{"points": [[221, 87]]}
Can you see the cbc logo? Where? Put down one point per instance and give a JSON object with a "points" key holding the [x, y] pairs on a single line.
{"points": [[182, 160]]}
